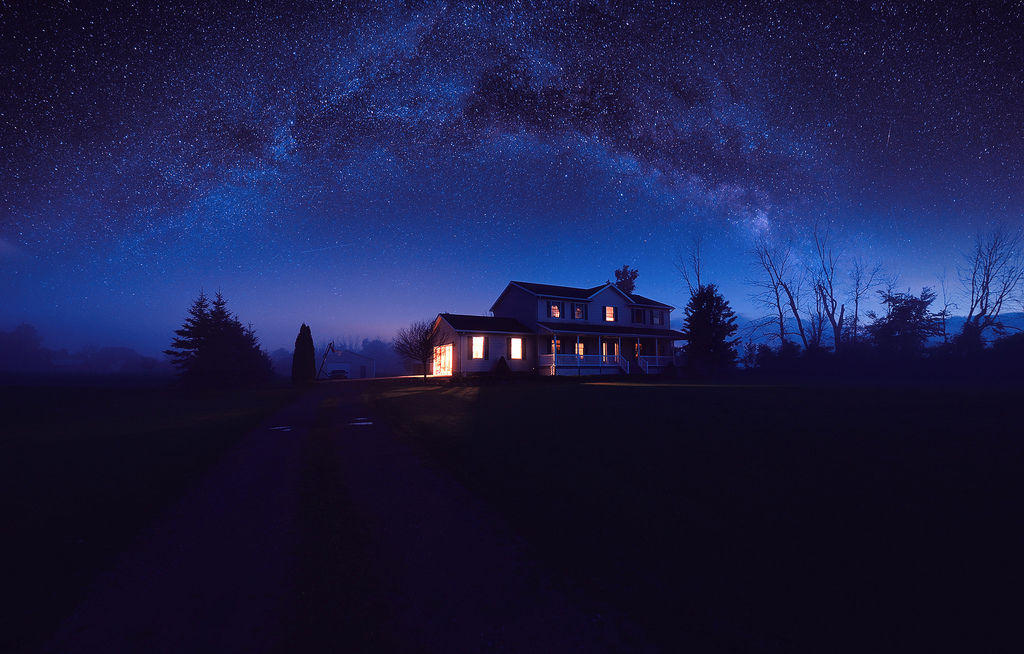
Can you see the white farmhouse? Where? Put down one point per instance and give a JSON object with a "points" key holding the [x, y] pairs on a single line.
{"points": [[558, 330]]}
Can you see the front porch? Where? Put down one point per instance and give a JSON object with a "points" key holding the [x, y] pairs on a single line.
{"points": [[589, 354]]}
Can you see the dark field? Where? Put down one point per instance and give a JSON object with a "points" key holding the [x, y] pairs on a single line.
{"points": [[753, 518], [83, 468]]}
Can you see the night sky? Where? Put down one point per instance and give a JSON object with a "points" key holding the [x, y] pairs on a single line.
{"points": [[359, 166]]}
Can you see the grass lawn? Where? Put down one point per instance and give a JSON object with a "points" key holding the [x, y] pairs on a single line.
{"points": [[84, 468], [751, 518]]}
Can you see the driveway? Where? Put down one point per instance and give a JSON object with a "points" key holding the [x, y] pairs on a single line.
{"points": [[320, 530]]}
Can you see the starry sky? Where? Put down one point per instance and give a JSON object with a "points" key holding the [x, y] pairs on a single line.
{"points": [[357, 166]]}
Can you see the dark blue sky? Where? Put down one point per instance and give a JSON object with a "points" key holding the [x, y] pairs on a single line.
{"points": [[357, 167]]}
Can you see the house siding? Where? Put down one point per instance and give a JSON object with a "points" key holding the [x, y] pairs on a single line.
{"points": [[497, 347]]}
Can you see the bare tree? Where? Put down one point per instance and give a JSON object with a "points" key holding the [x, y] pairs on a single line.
{"points": [[947, 307], [780, 289], [863, 280], [992, 274], [416, 343], [689, 265], [826, 299], [816, 322]]}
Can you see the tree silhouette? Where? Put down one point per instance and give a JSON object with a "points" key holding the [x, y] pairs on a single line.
{"points": [[992, 274], [708, 326], [212, 348], [416, 343], [907, 323], [304, 356], [625, 279]]}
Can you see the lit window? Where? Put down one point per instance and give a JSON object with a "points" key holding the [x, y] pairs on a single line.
{"points": [[609, 314], [556, 311], [579, 349], [478, 347], [515, 348], [579, 311]]}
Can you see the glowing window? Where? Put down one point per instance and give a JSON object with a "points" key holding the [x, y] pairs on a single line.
{"points": [[579, 311], [478, 347], [579, 349], [515, 350], [556, 310], [609, 314]]}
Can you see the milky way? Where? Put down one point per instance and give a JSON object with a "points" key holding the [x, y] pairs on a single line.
{"points": [[357, 167]]}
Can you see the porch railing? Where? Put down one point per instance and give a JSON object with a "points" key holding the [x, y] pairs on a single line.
{"points": [[647, 362], [584, 361]]}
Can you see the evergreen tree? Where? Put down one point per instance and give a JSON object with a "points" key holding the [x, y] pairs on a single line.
{"points": [[708, 326], [304, 356], [192, 336], [213, 348], [907, 324]]}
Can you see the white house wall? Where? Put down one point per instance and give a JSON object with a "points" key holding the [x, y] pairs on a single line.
{"points": [[608, 297], [497, 347]]}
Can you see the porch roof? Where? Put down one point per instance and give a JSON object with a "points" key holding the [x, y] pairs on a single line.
{"points": [[463, 323], [612, 330]]}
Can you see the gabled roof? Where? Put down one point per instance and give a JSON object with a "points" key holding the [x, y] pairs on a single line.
{"points": [[640, 299], [560, 291], [576, 293], [463, 323]]}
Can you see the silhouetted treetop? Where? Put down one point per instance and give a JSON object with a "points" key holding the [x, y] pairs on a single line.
{"points": [[625, 279]]}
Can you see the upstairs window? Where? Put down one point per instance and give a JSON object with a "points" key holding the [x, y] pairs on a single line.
{"points": [[579, 311], [555, 309], [657, 317], [638, 316], [610, 314]]}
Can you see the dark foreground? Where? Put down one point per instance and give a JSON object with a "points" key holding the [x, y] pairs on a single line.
{"points": [[761, 519], [758, 518]]}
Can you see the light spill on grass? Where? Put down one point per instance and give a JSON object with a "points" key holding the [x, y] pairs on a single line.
{"points": [[426, 409]]}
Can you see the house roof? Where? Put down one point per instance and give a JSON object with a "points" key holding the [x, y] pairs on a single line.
{"points": [[560, 291], [573, 292], [612, 330], [640, 299], [464, 323]]}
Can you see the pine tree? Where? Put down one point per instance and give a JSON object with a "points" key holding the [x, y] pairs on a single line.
{"points": [[190, 339], [304, 356], [708, 326], [213, 348]]}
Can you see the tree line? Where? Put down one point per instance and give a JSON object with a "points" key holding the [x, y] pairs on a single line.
{"points": [[815, 308]]}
